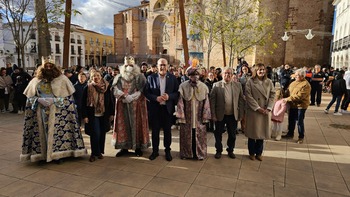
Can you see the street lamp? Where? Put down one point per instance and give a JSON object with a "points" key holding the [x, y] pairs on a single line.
{"points": [[310, 33]]}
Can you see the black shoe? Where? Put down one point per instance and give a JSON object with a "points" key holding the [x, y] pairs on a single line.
{"points": [[231, 155], [138, 152], [153, 156], [288, 136], [58, 161], [168, 156], [217, 155], [92, 158], [14, 112], [122, 152], [318, 105], [312, 104]]}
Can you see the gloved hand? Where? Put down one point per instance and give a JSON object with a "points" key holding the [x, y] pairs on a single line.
{"points": [[117, 93], [136, 95], [46, 101], [128, 99]]}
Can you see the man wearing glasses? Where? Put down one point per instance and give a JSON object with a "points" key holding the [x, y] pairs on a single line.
{"points": [[162, 93], [226, 106]]}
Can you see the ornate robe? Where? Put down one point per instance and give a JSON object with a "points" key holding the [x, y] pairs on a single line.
{"points": [[193, 111], [51, 133], [130, 129]]}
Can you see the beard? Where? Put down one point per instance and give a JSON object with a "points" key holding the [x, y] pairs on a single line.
{"points": [[48, 74], [128, 76]]}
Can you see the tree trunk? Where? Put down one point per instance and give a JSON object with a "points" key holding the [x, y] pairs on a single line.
{"points": [[44, 46]]}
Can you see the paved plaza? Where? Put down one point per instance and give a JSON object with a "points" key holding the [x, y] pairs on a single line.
{"points": [[319, 167]]}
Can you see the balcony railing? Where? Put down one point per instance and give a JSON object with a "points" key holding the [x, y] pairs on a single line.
{"points": [[58, 51]]}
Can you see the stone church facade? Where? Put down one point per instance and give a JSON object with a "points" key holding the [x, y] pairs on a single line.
{"points": [[152, 30]]}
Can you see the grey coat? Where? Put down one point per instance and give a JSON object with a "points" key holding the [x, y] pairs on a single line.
{"points": [[217, 100], [259, 96]]}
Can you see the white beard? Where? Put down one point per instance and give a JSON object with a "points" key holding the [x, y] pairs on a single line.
{"points": [[128, 76]]}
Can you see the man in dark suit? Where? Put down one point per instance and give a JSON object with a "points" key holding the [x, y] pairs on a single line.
{"points": [[162, 93]]}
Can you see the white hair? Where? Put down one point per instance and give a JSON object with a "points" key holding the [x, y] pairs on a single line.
{"points": [[301, 72]]}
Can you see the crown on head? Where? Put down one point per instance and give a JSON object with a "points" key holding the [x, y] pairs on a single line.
{"points": [[48, 59], [129, 60]]}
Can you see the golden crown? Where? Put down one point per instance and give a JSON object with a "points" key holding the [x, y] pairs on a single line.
{"points": [[48, 59], [129, 60]]}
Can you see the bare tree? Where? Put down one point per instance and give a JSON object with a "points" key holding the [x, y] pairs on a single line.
{"points": [[18, 15], [23, 18]]}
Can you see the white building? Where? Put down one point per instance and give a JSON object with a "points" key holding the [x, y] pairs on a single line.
{"points": [[76, 52], [2, 51], [341, 43]]}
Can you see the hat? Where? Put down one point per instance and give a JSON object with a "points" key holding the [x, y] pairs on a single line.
{"points": [[144, 63], [192, 71]]}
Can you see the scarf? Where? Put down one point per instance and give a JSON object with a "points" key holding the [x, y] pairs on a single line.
{"points": [[96, 95]]}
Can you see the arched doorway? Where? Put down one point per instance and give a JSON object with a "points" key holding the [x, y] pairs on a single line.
{"points": [[160, 35]]}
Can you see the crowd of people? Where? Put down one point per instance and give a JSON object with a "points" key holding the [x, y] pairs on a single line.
{"points": [[130, 100]]}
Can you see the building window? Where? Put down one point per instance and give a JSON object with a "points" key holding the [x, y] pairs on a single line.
{"points": [[57, 49]]}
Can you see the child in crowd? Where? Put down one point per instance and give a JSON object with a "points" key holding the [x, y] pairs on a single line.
{"points": [[277, 116]]}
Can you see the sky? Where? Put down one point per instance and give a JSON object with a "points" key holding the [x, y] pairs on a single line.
{"points": [[97, 15]]}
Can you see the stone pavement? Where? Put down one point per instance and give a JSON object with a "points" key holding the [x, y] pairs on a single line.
{"points": [[319, 167]]}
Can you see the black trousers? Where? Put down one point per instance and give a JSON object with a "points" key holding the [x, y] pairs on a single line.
{"points": [[231, 124], [316, 92], [163, 120]]}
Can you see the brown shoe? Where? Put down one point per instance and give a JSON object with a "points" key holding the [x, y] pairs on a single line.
{"points": [[251, 157], [258, 157], [100, 156], [92, 158]]}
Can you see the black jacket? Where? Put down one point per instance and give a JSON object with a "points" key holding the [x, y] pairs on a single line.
{"points": [[78, 94], [338, 87], [89, 112]]}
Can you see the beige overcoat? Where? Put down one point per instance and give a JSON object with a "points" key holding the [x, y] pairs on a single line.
{"points": [[259, 95]]}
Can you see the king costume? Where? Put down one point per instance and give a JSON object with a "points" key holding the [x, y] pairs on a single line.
{"points": [[131, 119], [51, 132], [193, 112]]}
